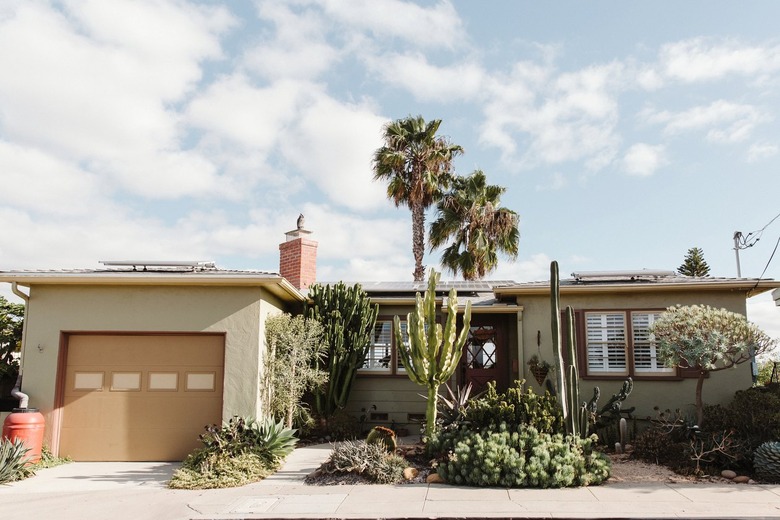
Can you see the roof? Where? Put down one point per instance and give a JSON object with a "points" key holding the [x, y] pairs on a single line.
{"points": [[633, 282], [155, 274]]}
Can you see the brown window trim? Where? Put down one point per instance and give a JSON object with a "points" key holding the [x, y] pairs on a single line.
{"points": [[393, 372]]}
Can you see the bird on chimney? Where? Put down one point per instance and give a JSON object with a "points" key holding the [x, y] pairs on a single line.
{"points": [[300, 221]]}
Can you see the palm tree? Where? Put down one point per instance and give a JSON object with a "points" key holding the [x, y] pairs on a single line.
{"points": [[416, 164], [470, 216]]}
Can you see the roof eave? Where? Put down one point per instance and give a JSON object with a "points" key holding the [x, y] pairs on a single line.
{"points": [[750, 287]]}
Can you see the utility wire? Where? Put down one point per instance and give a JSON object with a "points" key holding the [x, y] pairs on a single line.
{"points": [[745, 241], [767, 263]]}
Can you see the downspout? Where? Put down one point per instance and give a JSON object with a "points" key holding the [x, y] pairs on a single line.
{"points": [[16, 391]]}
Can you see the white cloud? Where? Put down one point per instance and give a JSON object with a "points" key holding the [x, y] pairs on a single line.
{"points": [[760, 151], [435, 26], [703, 59], [643, 160], [298, 49], [723, 121], [567, 117], [332, 145], [98, 90], [461, 81], [762, 311], [533, 269], [34, 181]]}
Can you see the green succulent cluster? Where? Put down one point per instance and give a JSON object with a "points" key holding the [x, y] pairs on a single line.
{"points": [[515, 439], [238, 452], [523, 457]]}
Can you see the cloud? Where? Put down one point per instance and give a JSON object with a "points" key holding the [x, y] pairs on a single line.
{"points": [[705, 59], [561, 118], [425, 27], [99, 90], [412, 72], [332, 145], [555, 181], [762, 311], [760, 151], [298, 48], [723, 121], [643, 160]]}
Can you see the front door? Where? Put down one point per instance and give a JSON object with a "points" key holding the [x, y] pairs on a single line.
{"points": [[484, 355]]}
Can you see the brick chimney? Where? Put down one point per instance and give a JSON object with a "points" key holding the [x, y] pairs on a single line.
{"points": [[298, 257]]}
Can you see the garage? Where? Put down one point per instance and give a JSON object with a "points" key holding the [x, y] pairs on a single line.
{"points": [[139, 397]]}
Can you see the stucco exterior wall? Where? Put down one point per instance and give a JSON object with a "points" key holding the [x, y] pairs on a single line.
{"points": [[718, 388], [239, 312]]}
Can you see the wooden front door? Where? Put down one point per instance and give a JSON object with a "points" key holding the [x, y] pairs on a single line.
{"points": [[484, 355]]}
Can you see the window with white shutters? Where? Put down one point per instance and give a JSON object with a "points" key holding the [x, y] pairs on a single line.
{"points": [[645, 352], [606, 342], [619, 343]]}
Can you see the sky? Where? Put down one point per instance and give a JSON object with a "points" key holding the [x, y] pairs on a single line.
{"points": [[625, 133]]}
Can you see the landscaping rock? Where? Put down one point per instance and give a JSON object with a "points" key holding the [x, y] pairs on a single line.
{"points": [[742, 479], [434, 478], [727, 473], [411, 473]]}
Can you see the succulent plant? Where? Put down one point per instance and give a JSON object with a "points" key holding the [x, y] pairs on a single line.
{"points": [[766, 461], [384, 437]]}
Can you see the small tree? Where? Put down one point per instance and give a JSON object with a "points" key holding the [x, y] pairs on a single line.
{"points": [[11, 324], [293, 348], [694, 264], [706, 339], [432, 354], [347, 318]]}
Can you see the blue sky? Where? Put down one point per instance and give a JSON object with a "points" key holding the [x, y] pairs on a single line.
{"points": [[625, 132]]}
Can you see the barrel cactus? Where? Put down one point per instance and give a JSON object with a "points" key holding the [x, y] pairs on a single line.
{"points": [[766, 461], [383, 437]]}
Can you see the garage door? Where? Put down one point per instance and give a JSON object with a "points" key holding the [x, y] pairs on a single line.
{"points": [[139, 397]]}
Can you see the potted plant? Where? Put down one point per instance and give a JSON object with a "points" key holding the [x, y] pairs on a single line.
{"points": [[539, 368]]}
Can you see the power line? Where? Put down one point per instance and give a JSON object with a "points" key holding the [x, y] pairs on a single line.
{"points": [[768, 262], [745, 241]]}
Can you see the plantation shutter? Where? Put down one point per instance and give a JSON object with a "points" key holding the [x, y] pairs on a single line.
{"points": [[645, 351], [606, 342]]}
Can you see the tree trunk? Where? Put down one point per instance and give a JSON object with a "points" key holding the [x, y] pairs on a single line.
{"points": [[418, 241], [699, 402]]}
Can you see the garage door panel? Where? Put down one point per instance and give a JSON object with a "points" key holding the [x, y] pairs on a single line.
{"points": [[128, 397]]}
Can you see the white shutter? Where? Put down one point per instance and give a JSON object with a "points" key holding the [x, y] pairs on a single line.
{"points": [[645, 353], [380, 352], [606, 341]]}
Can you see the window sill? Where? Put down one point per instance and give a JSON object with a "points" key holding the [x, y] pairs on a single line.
{"points": [[635, 377]]}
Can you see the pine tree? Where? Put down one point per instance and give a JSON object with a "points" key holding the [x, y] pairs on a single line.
{"points": [[694, 264]]}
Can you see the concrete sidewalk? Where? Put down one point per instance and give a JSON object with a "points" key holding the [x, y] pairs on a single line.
{"points": [[88, 491]]}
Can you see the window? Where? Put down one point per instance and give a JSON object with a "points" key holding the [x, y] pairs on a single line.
{"points": [[382, 356], [619, 343]]}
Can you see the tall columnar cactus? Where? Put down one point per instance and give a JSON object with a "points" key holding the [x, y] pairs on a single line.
{"points": [[348, 320], [575, 414], [432, 354]]}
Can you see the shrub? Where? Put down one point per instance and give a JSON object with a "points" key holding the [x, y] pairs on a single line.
{"points": [[369, 460], [524, 458], [13, 460], [239, 452], [514, 408], [515, 439]]}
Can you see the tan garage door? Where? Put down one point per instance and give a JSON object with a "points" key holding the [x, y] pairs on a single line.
{"points": [[139, 397]]}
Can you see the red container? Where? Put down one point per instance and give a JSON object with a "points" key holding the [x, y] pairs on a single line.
{"points": [[27, 425]]}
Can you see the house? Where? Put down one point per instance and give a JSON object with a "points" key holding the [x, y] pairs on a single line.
{"points": [[131, 361]]}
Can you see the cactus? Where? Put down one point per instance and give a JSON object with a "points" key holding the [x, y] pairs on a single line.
{"points": [[432, 354], [348, 320], [766, 461], [384, 437], [576, 416]]}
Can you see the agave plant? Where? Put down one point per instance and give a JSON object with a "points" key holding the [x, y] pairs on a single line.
{"points": [[274, 439], [13, 459], [451, 408]]}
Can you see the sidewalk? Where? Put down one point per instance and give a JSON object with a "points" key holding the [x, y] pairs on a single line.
{"points": [[88, 491]]}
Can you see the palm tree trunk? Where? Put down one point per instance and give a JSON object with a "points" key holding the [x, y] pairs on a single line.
{"points": [[418, 241]]}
